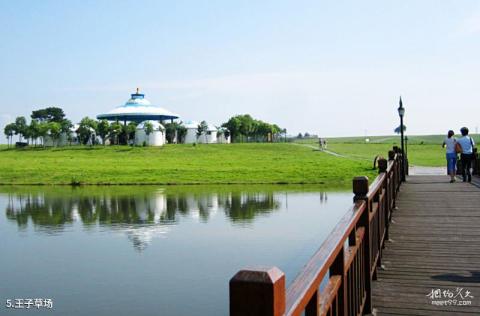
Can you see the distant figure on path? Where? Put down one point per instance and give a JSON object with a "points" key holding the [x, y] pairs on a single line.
{"points": [[322, 142], [450, 143], [466, 156]]}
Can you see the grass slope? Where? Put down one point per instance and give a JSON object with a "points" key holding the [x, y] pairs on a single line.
{"points": [[179, 164], [422, 150]]}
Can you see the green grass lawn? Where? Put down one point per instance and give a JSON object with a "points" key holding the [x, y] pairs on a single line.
{"points": [[180, 164], [422, 150], [392, 139]]}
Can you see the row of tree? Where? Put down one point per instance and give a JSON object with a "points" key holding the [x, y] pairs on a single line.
{"points": [[244, 128], [51, 123]]}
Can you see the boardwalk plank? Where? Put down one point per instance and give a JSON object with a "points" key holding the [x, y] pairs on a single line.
{"points": [[434, 244]]}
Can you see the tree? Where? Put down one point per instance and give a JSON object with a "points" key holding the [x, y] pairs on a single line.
{"points": [[9, 131], [175, 131], [43, 129], [49, 114], [398, 129], [299, 135], [202, 129], [66, 129], [115, 130], [226, 133], [148, 130], [244, 126], [86, 130], [233, 125], [277, 130], [27, 134], [181, 133], [20, 127], [130, 130], [284, 132], [54, 130], [103, 130], [34, 131], [171, 132]]}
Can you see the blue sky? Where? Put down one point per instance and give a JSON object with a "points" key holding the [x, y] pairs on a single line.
{"points": [[335, 68]]}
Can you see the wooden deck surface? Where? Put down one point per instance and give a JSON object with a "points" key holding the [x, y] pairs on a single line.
{"points": [[434, 245]]}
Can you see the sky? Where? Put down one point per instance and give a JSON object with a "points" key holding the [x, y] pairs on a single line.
{"points": [[333, 68]]}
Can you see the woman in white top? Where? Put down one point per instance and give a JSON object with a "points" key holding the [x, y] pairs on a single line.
{"points": [[449, 143]]}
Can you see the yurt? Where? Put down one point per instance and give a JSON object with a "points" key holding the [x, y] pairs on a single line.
{"points": [[138, 109], [210, 137], [155, 138]]}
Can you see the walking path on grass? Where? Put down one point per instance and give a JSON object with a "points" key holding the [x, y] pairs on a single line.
{"points": [[325, 151]]}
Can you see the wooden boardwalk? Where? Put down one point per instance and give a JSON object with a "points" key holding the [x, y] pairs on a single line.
{"points": [[434, 245]]}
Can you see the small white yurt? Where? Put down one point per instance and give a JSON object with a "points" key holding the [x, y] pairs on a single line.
{"points": [[156, 138], [191, 135], [210, 137], [64, 140]]}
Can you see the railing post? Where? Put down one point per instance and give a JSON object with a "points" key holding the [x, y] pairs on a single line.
{"points": [[338, 268], [360, 189], [258, 292], [391, 157], [382, 168]]}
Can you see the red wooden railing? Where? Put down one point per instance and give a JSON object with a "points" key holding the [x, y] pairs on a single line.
{"points": [[348, 258]]}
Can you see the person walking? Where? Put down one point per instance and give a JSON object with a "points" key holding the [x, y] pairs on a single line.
{"points": [[449, 143], [466, 156]]}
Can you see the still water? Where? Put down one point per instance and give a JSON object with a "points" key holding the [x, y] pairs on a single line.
{"points": [[152, 250]]}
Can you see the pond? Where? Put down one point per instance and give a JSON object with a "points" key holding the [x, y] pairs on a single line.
{"points": [[153, 250]]}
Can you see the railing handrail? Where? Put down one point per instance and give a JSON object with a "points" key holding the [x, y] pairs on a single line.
{"points": [[364, 227]]}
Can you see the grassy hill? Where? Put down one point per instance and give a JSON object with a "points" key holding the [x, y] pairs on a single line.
{"points": [[180, 164], [254, 163], [423, 150], [389, 139]]}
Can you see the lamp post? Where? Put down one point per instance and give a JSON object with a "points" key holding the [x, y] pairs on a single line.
{"points": [[401, 113], [406, 155]]}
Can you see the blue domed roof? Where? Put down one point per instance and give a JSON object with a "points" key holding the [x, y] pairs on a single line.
{"points": [[138, 109]]}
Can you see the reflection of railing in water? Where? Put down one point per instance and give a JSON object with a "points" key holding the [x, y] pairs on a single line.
{"points": [[140, 216], [348, 259]]}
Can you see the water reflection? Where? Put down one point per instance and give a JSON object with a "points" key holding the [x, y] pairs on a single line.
{"points": [[142, 214]]}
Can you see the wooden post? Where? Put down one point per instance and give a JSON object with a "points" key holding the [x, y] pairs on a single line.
{"points": [[338, 268], [382, 165], [360, 189], [258, 292], [391, 155], [382, 168]]}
